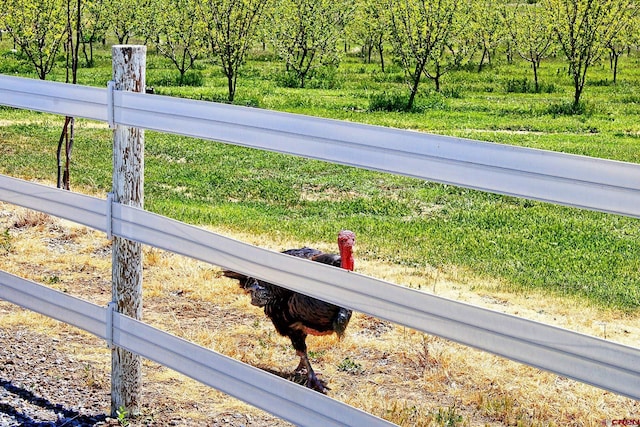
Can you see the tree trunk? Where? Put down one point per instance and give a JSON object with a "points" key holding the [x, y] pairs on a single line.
{"points": [[576, 96], [381, 50], [415, 83], [232, 87], [412, 97], [86, 56], [484, 55]]}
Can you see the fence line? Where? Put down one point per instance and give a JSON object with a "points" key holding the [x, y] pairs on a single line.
{"points": [[597, 184], [293, 403], [588, 359], [579, 181]]}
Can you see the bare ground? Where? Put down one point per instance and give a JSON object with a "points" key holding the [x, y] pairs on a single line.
{"points": [[53, 374]]}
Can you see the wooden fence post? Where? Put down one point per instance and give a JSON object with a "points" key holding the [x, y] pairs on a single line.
{"points": [[128, 188]]}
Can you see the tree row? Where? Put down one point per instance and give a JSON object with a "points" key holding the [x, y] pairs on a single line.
{"points": [[427, 38]]}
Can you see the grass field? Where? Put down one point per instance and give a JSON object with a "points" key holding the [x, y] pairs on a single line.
{"points": [[562, 266], [520, 245]]}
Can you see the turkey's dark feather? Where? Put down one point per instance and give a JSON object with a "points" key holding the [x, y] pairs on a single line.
{"points": [[293, 314]]}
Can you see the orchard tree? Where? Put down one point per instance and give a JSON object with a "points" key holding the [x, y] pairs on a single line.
{"points": [[531, 33], [419, 29], [369, 26], [621, 42], [125, 18], [584, 28], [457, 50], [94, 26], [305, 33], [230, 28], [489, 25], [39, 28], [175, 30]]}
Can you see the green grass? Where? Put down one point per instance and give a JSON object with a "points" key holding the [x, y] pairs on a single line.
{"points": [[523, 245]]}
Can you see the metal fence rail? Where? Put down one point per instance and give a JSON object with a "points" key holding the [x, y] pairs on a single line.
{"points": [[584, 182], [596, 184]]}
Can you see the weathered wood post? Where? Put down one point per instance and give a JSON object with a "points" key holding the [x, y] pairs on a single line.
{"points": [[128, 188]]}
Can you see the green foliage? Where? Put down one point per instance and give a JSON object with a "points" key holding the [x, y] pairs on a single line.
{"points": [[15, 63], [568, 109], [452, 92], [448, 417], [349, 366], [171, 78], [95, 22], [325, 78], [305, 34], [488, 25], [52, 280], [6, 245], [318, 78], [176, 32], [397, 101], [404, 413], [530, 32], [122, 416], [38, 28], [229, 29], [421, 31], [287, 79], [524, 85], [385, 101], [583, 29], [389, 76], [125, 18], [369, 26]]}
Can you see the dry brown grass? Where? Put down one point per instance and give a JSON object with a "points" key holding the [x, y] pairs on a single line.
{"points": [[403, 375]]}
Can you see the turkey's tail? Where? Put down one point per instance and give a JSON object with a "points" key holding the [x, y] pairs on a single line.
{"points": [[233, 275], [259, 292], [341, 321]]}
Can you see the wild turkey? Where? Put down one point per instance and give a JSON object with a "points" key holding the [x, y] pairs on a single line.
{"points": [[296, 315]]}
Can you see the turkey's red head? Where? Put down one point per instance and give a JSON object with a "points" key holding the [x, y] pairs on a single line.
{"points": [[346, 240]]}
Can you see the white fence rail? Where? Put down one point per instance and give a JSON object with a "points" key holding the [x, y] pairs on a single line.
{"points": [[584, 182], [291, 402], [572, 180]]}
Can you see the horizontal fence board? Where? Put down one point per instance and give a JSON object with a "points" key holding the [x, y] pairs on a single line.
{"points": [[52, 303], [572, 180], [579, 181], [80, 208], [281, 397], [54, 97]]}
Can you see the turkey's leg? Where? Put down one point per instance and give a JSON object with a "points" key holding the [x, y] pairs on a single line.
{"points": [[299, 343], [313, 381]]}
